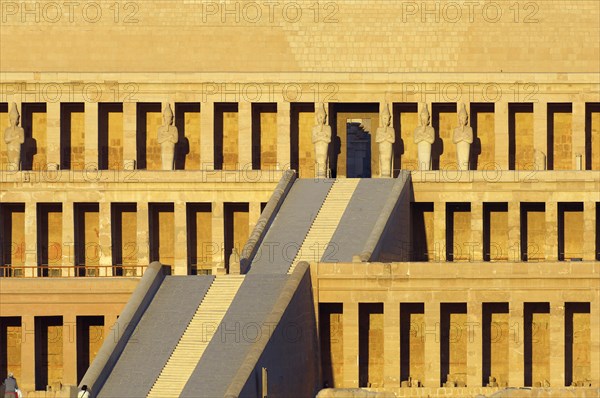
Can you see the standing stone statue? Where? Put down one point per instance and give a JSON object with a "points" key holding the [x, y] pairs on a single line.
{"points": [[167, 138], [386, 137], [424, 138], [321, 137], [463, 138], [14, 136]]}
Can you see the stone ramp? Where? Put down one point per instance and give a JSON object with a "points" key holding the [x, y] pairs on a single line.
{"points": [[290, 226], [155, 336], [196, 337]]}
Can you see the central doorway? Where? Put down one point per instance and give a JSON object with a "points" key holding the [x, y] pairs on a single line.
{"points": [[358, 149]]}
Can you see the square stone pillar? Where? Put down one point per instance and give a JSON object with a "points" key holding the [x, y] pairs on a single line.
{"points": [[110, 327], [180, 239], [439, 231], [53, 135], [474, 329], [69, 348], [557, 344], [589, 231], [595, 341], [578, 133], [516, 330], [68, 239], [142, 234], [207, 136], [283, 135], [27, 381], [129, 134], [350, 338], [432, 344], [253, 216], [514, 231], [31, 254], [245, 135], [105, 239], [540, 127], [391, 344], [91, 136], [476, 244], [501, 135], [551, 231], [218, 235]]}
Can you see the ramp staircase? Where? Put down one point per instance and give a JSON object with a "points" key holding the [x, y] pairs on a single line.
{"points": [[196, 337], [324, 225]]}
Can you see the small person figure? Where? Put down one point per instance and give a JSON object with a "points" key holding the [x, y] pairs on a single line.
{"points": [[167, 138], [83, 393], [10, 386], [385, 137], [14, 136], [321, 137]]}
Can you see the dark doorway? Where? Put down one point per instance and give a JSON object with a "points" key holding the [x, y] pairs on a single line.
{"points": [[358, 147]]}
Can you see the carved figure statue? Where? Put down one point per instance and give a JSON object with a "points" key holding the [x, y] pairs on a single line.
{"points": [[386, 137], [424, 138], [463, 138], [14, 136], [321, 137], [167, 138]]}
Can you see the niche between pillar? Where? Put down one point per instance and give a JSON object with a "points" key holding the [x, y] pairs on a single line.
{"points": [[537, 344], [264, 136], [34, 149], [370, 345], [453, 344], [570, 231], [148, 120], [405, 120], [482, 120], [124, 238], [12, 246], [412, 344], [4, 123], [422, 231], [458, 232], [161, 226], [592, 136], [302, 153], [110, 136], [520, 136], [49, 239], [10, 346], [90, 336], [495, 343], [533, 231], [560, 137], [495, 232], [236, 219], [444, 120], [87, 238], [226, 128], [200, 243], [187, 149], [578, 348], [331, 332], [48, 352], [598, 231], [72, 136]]}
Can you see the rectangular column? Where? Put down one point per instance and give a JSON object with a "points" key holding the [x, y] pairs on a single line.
{"points": [[578, 133], [180, 239], [91, 135], [439, 231], [31, 260], [551, 231], [514, 231], [540, 127], [391, 344], [104, 239], [70, 349], [516, 375], [68, 239], [253, 216], [474, 343], [218, 235], [53, 135], [350, 338], [501, 135], [283, 135], [432, 344], [557, 346], [142, 233], [129, 135], [245, 136], [589, 231], [476, 245], [595, 341], [28, 365], [207, 136]]}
